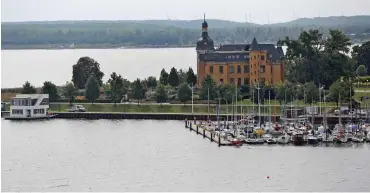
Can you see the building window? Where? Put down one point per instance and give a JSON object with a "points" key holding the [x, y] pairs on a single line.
{"points": [[231, 81], [246, 68], [231, 69], [233, 57], [17, 111], [239, 69], [245, 56], [246, 81], [262, 57], [262, 68], [221, 69], [222, 81], [239, 81], [38, 111], [237, 56], [211, 69]]}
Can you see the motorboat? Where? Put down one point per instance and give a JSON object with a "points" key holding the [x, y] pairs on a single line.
{"points": [[328, 139], [284, 139], [357, 139], [271, 141], [251, 141], [311, 139], [298, 138], [260, 141], [236, 142]]}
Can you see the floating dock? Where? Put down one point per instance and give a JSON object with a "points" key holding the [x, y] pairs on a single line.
{"points": [[211, 135]]}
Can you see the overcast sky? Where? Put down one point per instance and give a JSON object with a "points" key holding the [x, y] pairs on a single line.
{"points": [[262, 11]]}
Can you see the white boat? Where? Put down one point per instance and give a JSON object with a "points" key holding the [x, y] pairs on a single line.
{"points": [[271, 141], [29, 107], [311, 139], [357, 139], [250, 141], [284, 139]]}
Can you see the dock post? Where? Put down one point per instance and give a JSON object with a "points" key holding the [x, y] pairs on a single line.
{"points": [[195, 120], [211, 136], [204, 133], [186, 123], [190, 126], [219, 140], [197, 129]]}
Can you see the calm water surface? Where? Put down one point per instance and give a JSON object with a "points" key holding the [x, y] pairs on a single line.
{"points": [[36, 66], [104, 155]]}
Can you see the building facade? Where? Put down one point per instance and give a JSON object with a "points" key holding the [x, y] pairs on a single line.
{"points": [[239, 64]]}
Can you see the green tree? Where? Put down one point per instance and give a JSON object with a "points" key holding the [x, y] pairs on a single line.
{"points": [[314, 58], [161, 95], [173, 78], [70, 92], [342, 89], [361, 70], [311, 91], [285, 92], [138, 90], [84, 68], [362, 55], [227, 92], [28, 88], [51, 89], [117, 88], [163, 78], [191, 79], [92, 91], [184, 93], [151, 82], [182, 76], [208, 84]]}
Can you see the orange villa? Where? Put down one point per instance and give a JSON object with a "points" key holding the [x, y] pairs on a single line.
{"points": [[239, 64]]}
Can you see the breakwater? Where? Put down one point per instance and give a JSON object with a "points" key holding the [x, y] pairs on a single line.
{"points": [[331, 119]]}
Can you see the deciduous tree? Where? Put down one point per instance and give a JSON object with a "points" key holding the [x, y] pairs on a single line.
{"points": [[92, 91], [70, 92], [161, 95], [83, 69], [191, 79], [184, 93], [117, 88], [51, 89], [138, 91]]}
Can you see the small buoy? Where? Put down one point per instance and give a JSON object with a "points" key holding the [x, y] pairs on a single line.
{"points": [[268, 177]]}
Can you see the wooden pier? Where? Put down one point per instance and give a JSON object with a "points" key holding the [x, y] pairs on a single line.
{"points": [[206, 134]]}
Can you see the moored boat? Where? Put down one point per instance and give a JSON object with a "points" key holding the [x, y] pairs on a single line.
{"points": [[298, 139], [311, 139], [271, 141]]}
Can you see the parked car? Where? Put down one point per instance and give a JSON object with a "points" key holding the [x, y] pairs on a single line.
{"points": [[77, 108]]}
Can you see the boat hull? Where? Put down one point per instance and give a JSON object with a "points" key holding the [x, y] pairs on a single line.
{"points": [[312, 141]]}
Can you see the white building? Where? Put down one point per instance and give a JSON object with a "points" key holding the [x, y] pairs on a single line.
{"points": [[29, 106]]}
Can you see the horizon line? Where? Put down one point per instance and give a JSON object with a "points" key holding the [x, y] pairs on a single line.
{"points": [[169, 19]]}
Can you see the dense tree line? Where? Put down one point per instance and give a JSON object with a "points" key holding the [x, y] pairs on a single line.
{"points": [[110, 34]]}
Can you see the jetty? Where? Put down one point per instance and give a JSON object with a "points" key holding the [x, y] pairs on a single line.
{"points": [[207, 134]]}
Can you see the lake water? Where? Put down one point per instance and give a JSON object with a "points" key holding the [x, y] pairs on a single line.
{"points": [[124, 155], [37, 66]]}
